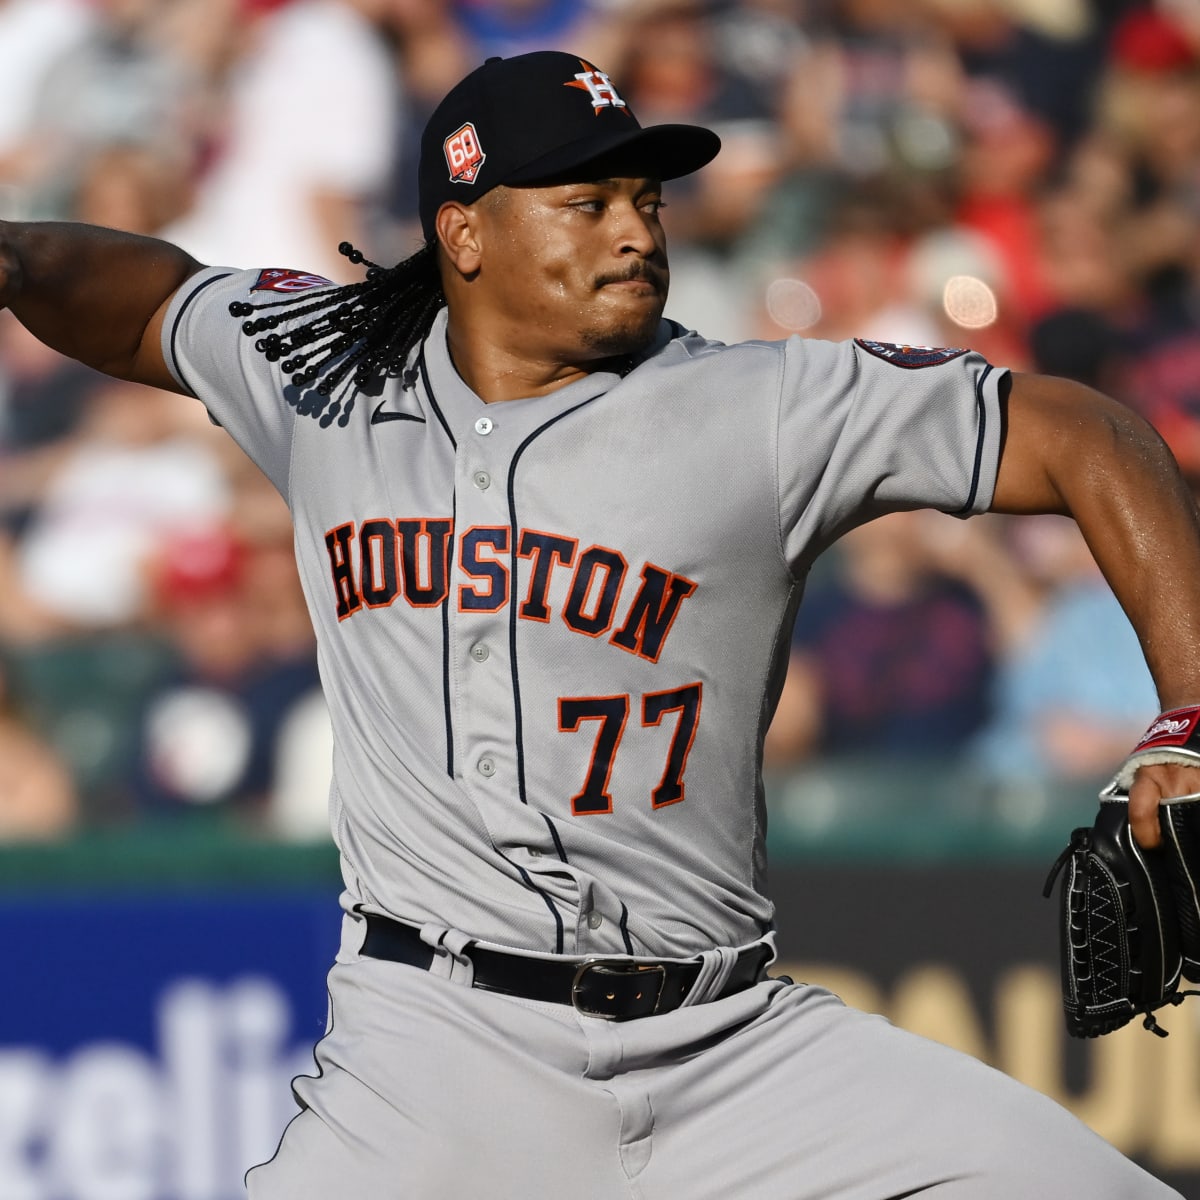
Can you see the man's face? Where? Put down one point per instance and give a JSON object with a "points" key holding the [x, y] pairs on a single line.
{"points": [[577, 271]]}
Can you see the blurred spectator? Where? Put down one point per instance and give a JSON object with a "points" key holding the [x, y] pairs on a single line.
{"points": [[872, 276], [674, 69], [1047, 54], [957, 279], [313, 105], [1149, 111], [1161, 374], [140, 464], [1073, 692], [891, 655], [1130, 202], [122, 84], [508, 27], [34, 34], [876, 95], [856, 283], [433, 53], [1080, 233], [1005, 154], [130, 187], [41, 393], [209, 736], [1080, 344], [37, 796]]}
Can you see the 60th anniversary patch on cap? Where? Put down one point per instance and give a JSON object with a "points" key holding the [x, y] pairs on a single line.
{"points": [[464, 155]]}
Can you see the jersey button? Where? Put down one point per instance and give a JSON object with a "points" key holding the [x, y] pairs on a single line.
{"points": [[487, 767], [482, 480], [484, 426], [595, 920], [479, 652]]}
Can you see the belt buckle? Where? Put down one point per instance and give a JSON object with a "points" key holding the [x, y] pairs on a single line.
{"points": [[615, 980]]}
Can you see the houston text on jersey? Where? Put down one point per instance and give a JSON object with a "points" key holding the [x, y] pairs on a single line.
{"points": [[378, 561]]}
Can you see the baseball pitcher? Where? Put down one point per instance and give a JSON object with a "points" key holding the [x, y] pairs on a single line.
{"points": [[553, 545]]}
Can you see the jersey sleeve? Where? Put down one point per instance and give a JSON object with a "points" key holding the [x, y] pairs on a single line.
{"points": [[867, 428], [213, 360]]}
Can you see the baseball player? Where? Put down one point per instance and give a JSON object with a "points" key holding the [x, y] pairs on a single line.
{"points": [[553, 545]]}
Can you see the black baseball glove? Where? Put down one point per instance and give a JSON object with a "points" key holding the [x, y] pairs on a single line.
{"points": [[1129, 918]]}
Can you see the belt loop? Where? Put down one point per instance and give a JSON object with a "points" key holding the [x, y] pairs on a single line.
{"points": [[715, 968], [449, 960], [768, 940]]}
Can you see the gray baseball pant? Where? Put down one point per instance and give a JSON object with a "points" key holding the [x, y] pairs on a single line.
{"points": [[431, 1090]]}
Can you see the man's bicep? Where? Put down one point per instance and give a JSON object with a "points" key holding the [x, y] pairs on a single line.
{"points": [[92, 293], [1050, 425], [149, 364]]}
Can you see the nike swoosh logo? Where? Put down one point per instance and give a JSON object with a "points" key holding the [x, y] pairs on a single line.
{"points": [[379, 416]]}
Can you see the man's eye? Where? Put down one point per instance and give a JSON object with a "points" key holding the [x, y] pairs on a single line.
{"points": [[588, 205], [653, 207]]}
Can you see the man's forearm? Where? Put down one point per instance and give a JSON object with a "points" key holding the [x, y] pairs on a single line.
{"points": [[1139, 520], [93, 294], [1074, 451]]}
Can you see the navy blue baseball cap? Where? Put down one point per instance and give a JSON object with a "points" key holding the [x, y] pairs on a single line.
{"points": [[539, 117]]}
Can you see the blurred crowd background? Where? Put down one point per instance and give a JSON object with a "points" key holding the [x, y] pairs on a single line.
{"points": [[1017, 176]]}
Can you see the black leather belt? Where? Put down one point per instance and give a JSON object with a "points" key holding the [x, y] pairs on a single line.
{"points": [[611, 988]]}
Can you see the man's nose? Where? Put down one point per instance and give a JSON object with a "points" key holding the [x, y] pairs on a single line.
{"points": [[635, 232]]}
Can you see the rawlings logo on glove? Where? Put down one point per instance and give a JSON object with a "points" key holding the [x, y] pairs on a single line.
{"points": [[1130, 917], [1166, 729]]}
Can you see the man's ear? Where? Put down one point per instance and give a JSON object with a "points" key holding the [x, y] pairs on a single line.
{"points": [[456, 230]]}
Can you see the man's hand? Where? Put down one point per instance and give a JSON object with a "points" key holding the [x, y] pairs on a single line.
{"points": [[1151, 785]]}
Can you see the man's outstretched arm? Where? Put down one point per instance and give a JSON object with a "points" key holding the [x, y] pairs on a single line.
{"points": [[93, 294], [1071, 450]]}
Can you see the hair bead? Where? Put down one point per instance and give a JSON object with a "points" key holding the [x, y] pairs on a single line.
{"points": [[351, 336]]}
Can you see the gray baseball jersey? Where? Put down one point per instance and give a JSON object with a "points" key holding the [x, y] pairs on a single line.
{"points": [[552, 631]]}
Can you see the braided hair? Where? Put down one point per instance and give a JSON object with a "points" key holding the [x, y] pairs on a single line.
{"points": [[356, 335]]}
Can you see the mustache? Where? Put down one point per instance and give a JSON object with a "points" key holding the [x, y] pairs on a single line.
{"points": [[642, 272]]}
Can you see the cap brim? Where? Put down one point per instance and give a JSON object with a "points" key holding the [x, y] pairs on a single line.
{"points": [[658, 152]]}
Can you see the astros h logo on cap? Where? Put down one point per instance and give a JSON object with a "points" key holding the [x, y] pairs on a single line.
{"points": [[597, 85]]}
